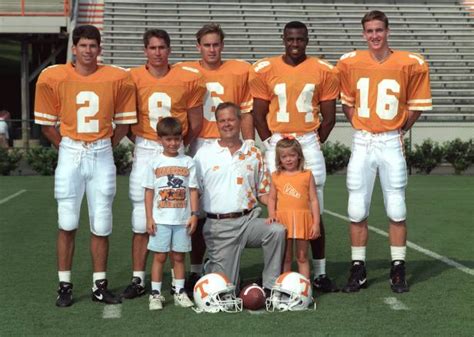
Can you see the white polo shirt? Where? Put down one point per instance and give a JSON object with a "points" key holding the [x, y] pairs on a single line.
{"points": [[230, 183]]}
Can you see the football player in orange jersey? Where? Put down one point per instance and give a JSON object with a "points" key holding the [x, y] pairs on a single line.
{"points": [[383, 92], [290, 91], [226, 81], [86, 98], [162, 90]]}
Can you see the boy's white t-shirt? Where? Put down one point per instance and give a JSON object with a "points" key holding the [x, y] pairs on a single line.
{"points": [[171, 178]]}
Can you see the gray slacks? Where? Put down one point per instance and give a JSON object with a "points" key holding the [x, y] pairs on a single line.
{"points": [[227, 238]]}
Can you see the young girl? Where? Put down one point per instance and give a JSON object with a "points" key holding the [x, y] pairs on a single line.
{"points": [[293, 202]]}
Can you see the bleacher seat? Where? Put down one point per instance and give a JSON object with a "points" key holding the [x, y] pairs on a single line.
{"points": [[443, 33]]}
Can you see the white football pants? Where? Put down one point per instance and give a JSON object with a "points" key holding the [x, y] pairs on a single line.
{"points": [[381, 152], [85, 167]]}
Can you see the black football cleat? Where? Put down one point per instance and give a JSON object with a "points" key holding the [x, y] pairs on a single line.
{"points": [[325, 284], [134, 289], [357, 278], [398, 282], [102, 294], [64, 298]]}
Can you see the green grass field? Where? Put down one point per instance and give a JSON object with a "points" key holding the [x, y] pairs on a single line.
{"points": [[440, 303]]}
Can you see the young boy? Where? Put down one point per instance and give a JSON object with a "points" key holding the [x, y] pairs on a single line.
{"points": [[171, 205]]}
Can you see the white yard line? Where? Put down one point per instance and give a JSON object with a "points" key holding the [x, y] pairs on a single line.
{"points": [[14, 195], [414, 246], [112, 311], [256, 312], [395, 304]]}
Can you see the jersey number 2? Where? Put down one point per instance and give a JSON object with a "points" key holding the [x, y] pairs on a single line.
{"points": [[386, 106], [85, 124]]}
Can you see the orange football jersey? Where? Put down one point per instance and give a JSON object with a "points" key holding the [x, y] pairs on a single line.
{"points": [[294, 93], [181, 89], [229, 83], [383, 92], [85, 106]]}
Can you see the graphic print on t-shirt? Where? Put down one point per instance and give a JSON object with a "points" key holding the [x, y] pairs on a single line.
{"points": [[173, 195]]}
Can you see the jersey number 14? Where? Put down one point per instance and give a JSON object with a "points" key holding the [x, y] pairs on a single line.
{"points": [[303, 102]]}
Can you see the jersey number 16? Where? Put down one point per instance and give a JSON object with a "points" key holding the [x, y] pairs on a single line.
{"points": [[386, 106]]}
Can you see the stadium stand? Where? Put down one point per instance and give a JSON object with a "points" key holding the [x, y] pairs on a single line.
{"points": [[442, 32], [41, 29]]}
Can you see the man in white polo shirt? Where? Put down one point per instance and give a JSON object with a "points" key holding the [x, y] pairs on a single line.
{"points": [[232, 176]]}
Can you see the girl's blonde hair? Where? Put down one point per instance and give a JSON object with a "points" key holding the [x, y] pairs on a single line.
{"points": [[288, 143]]}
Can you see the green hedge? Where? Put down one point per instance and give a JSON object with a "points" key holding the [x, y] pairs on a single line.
{"points": [[336, 155], [423, 157], [9, 160], [426, 156], [459, 154], [43, 160]]}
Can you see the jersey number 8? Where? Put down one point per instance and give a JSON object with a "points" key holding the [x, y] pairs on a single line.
{"points": [[159, 106]]}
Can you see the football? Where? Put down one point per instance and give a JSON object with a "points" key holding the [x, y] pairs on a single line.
{"points": [[253, 297]]}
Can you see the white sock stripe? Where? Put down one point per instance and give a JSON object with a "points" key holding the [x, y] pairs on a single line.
{"points": [[414, 246]]}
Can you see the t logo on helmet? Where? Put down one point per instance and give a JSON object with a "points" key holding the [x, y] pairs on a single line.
{"points": [[306, 286], [200, 286]]}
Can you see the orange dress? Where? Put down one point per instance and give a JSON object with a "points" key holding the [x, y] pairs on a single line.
{"points": [[293, 205]]}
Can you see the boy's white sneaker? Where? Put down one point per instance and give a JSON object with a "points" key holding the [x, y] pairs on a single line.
{"points": [[181, 299], [156, 300]]}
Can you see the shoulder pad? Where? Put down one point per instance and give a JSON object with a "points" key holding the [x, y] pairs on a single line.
{"points": [[191, 69], [348, 55], [262, 64], [327, 64]]}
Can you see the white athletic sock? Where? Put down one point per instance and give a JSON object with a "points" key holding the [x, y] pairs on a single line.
{"points": [[64, 276], [141, 275], [358, 253], [98, 276], [156, 286], [319, 267], [179, 284], [398, 253], [196, 268]]}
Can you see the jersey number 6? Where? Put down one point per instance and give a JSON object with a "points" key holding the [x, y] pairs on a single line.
{"points": [[210, 101]]}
